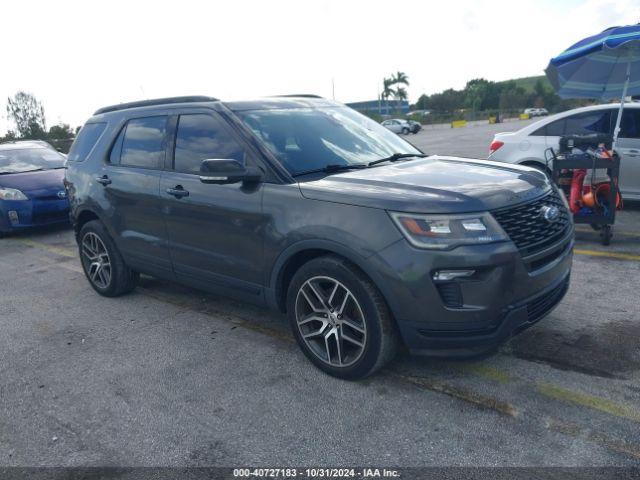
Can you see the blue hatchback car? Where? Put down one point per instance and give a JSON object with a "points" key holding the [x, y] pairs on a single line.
{"points": [[32, 191]]}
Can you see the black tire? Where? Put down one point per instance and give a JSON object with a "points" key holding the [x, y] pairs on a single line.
{"points": [[405, 131], [121, 278], [380, 343], [606, 234]]}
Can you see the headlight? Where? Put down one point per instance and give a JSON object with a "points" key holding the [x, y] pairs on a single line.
{"points": [[12, 194], [444, 232]]}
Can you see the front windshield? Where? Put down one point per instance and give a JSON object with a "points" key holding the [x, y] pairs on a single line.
{"points": [[16, 160], [308, 138]]}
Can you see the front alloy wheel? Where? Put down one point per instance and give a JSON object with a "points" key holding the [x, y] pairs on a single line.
{"points": [[331, 322], [340, 319]]}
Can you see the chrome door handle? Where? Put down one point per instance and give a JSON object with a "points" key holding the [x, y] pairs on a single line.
{"points": [[632, 152], [178, 191], [104, 180]]}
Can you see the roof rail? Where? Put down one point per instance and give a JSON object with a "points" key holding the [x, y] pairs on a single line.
{"points": [[156, 101], [302, 95]]}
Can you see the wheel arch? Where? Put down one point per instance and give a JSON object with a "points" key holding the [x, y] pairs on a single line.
{"points": [[298, 254], [81, 218]]}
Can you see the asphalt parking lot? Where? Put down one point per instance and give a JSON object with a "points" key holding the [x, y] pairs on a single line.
{"points": [[172, 376]]}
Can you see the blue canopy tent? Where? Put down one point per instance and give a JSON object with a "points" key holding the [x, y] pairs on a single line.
{"points": [[603, 67]]}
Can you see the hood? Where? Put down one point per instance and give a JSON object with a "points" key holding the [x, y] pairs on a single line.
{"points": [[432, 185], [35, 183]]}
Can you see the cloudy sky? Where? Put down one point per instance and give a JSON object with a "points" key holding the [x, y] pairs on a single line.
{"points": [[78, 56]]}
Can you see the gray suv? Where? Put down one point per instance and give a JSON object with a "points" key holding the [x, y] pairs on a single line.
{"points": [[304, 205]]}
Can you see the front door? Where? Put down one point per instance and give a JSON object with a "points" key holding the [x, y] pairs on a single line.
{"points": [[215, 231]]}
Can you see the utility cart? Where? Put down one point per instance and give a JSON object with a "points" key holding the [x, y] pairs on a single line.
{"points": [[580, 160]]}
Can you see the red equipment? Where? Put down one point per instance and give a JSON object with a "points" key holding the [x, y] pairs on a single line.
{"points": [[575, 198]]}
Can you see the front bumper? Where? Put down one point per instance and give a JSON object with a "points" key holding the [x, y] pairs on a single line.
{"points": [[504, 297], [17, 215]]}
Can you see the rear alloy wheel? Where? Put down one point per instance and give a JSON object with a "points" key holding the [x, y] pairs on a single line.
{"points": [[339, 318], [102, 263], [96, 258]]}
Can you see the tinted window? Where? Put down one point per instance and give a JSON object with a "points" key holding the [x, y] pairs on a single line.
{"points": [[201, 137], [589, 122], [553, 129], [630, 125], [116, 150], [85, 141], [143, 144]]}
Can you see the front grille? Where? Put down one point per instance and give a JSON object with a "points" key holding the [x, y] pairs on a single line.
{"points": [[528, 229], [540, 306]]}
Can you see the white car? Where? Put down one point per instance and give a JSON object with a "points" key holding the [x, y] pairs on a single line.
{"points": [[397, 125], [536, 112], [527, 146]]}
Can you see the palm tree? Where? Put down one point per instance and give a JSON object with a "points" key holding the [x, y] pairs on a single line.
{"points": [[400, 93], [387, 91], [400, 78]]}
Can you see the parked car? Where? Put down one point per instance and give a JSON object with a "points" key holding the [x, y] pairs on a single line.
{"points": [[527, 146], [422, 113], [397, 125], [536, 112], [31, 186], [414, 126], [304, 205]]}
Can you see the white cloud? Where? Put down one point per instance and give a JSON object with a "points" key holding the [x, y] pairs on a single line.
{"points": [[78, 56]]}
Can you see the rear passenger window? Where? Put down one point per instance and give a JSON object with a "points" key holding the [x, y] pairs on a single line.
{"points": [[116, 150], [589, 122], [553, 129], [201, 137], [85, 141], [143, 144]]}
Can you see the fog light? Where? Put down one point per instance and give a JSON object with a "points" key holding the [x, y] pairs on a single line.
{"points": [[13, 217], [447, 275]]}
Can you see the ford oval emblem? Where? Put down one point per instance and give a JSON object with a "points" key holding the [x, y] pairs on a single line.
{"points": [[62, 194], [550, 213]]}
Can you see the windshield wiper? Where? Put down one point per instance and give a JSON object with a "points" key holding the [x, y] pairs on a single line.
{"points": [[332, 168], [397, 156]]}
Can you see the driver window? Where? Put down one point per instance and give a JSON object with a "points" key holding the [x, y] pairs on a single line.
{"points": [[200, 137]]}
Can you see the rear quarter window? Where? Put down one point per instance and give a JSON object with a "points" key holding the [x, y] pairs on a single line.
{"points": [[85, 141]]}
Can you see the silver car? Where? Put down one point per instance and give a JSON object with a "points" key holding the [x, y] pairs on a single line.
{"points": [[397, 125], [527, 146]]}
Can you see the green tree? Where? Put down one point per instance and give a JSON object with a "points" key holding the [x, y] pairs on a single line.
{"points": [[11, 135], [62, 131], [28, 115]]}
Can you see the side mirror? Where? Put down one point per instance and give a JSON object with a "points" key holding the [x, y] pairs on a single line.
{"points": [[227, 170]]}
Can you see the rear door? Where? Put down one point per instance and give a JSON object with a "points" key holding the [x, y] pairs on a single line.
{"points": [[131, 181], [629, 149], [215, 231]]}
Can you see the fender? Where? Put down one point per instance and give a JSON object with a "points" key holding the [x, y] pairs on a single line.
{"points": [[317, 244], [77, 213]]}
